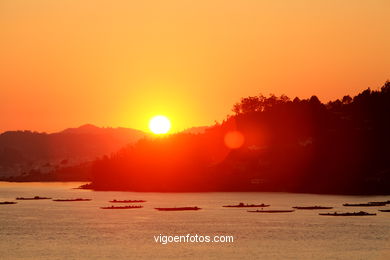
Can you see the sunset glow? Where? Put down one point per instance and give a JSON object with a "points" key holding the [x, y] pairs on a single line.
{"points": [[186, 130], [191, 59]]}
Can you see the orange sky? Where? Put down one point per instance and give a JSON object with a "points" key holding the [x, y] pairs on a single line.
{"points": [[117, 63]]}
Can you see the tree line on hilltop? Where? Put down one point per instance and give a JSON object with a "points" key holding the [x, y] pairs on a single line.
{"points": [[299, 145]]}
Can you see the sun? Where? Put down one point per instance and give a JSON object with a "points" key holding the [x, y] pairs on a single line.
{"points": [[159, 125]]}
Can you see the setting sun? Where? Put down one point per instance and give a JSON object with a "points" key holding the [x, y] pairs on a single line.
{"points": [[159, 125]]}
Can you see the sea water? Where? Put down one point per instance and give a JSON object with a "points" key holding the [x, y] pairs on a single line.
{"points": [[45, 229]]}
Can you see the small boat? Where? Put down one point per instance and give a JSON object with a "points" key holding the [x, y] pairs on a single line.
{"points": [[68, 200], [34, 198], [123, 207], [369, 204], [312, 207], [127, 201], [7, 202], [347, 214], [242, 205], [178, 209], [271, 211], [384, 210]]}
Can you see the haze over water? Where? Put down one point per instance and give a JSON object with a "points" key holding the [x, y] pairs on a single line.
{"points": [[80, 230]]}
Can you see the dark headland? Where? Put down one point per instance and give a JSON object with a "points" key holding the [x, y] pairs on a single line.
{"points": [[282, 144], [298, 145]]}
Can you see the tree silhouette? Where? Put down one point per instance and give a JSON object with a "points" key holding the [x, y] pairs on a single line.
{"points": [[300, 145]]}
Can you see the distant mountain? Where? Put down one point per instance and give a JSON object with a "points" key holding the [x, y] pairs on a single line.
{"points": [[22, 151], [87, 129], [119, 135]]}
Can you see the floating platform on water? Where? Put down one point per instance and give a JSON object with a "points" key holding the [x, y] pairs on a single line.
{"points": [[312, 207], [70, 200], [178, 209], [7, 202], [123, 207], [33, 198], [369, 204], [242, 205], [385, 202], [272, 211], [348, 214], [127, 201]]}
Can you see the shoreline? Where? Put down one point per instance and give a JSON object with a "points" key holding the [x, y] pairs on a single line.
{"points": [[89, 186]]}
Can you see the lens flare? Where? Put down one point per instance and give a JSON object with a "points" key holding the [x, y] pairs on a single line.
{"points": [[234, 139]]}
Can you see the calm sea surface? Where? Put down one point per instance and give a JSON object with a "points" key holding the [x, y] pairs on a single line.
{"points": [[81, 230]]}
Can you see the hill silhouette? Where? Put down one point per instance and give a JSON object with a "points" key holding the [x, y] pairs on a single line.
{"points": [[27, 151], [269, 144]]}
